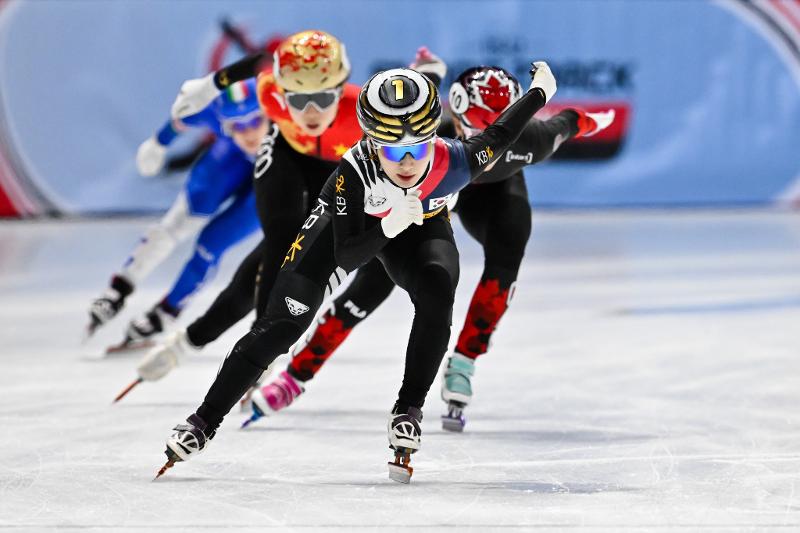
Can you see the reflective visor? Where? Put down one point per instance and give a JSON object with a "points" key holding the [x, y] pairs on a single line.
{"points": [[251, 120], [397, 153], [245, 123], [321, 100]]}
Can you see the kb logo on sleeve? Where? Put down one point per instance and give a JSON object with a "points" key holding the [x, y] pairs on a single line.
{"points": [[341, 202], [485, 155]]}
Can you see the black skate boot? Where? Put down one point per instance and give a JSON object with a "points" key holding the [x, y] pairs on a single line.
{"points": [[404, 438], [142, 331], [189, 440], [108, 304]]}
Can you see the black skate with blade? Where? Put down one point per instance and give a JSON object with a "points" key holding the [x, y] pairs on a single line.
{"points": [[189, 439], [404, 438], [141, 332], [109, 304]]}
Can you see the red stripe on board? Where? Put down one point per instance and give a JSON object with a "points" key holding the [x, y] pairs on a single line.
{"points": [[7, 208]]}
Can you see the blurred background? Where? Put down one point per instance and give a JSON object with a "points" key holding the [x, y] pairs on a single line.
{"points": [[645, 376], [706, 92]]}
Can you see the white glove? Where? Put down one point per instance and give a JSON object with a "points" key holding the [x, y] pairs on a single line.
{"points": [[404, 213], [150, 157], [543, 79], [194, 96], [163, 358]]}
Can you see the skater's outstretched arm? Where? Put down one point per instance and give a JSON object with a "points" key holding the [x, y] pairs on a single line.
{"points": [[196, 94], [152, 153], [542, 138]]}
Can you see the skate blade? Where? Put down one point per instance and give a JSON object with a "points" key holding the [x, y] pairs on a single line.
{"points": [[257, 413], [455, 425], [400, 470], [401, 474], [127, 389], [169, 464], [129, 346], [172, 458]]}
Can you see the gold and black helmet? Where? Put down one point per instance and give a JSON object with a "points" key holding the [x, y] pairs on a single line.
{"points": [[399, 107]]}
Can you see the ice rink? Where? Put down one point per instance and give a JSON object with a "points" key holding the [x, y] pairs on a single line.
{"points": [[646, 378]]}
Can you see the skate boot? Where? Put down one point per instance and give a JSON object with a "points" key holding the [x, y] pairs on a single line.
{"points": [[275, 396], [141, 331], [457, 390], [189, 440], [404, 438], [592, 123], [108, 304]]}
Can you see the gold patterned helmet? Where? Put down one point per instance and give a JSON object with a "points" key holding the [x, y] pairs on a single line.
{"points": [[399, 107], [310, 61]]}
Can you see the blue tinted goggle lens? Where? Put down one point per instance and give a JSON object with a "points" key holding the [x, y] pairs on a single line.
{"points": [[240, 126], [397, 153]]}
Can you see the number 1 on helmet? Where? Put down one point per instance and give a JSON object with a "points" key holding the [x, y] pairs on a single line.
{"points": [[398, 89]]}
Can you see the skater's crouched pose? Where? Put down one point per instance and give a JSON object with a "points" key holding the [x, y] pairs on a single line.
{"points": [[494, 210], [387, 199]]}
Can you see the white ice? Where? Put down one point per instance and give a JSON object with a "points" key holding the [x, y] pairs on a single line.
{"points": [[647, 377]]}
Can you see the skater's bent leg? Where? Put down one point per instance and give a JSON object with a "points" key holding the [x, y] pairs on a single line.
{"points": [[432, 291], [289, 312], [161, 239], [505, 234], [232, 304], [370, 287], [228, 228]]}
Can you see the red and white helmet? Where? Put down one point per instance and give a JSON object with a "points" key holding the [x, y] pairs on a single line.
{"points": [[480, 94]]}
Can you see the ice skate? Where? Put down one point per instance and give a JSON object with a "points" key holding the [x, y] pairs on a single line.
{"points": [[245, 404], [275, 396], [189, 440], [457, 391], [404, 438], [142, 331], [108, 305]]}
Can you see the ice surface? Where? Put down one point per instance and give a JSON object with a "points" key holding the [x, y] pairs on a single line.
{"points": [[647, 377]]}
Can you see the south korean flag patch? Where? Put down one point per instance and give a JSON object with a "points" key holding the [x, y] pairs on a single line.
{"points": [[295, 307], [438, 203]]}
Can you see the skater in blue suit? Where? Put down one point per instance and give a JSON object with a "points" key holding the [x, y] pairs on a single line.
{"points": [[217, 201]]}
